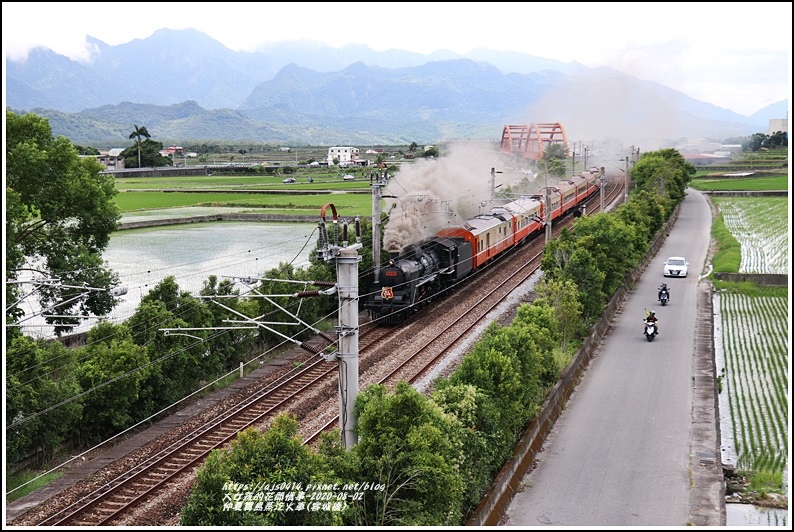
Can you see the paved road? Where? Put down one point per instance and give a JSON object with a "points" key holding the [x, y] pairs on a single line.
{"points": [[621, 454]]}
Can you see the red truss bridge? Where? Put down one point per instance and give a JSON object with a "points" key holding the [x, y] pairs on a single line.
{"points": [[530, 140]]}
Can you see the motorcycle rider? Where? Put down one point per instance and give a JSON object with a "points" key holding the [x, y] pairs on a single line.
{"points": [[663, 288], [651, 317]]}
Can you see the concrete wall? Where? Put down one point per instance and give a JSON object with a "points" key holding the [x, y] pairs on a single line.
{"points": [[159, 172], [761, 279], [747, 193], [237, 217]]}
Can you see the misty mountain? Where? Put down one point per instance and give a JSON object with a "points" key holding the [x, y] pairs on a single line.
{"points": [[774, 110], [188, 87], [451, 91], [172, 66]]}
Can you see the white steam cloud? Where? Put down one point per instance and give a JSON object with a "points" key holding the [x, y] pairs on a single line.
{"points": [[435, 193], [431, 194]]}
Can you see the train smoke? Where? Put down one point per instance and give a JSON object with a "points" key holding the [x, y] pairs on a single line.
{"points": [[435, 193]]}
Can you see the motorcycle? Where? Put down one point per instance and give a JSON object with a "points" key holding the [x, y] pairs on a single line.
{"points": [[664, 297], [650, 330]]}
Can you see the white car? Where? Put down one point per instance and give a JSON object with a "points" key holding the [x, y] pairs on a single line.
{"points": [[289, 180], [676, 267], [348, 177]]}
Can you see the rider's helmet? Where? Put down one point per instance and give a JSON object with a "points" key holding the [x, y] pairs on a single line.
{"points": [[651, 314]]}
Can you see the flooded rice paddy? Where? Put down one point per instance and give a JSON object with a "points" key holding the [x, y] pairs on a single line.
{"points": [[740, 515], [191, 253]]}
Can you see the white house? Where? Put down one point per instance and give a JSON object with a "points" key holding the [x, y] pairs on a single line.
{"points": [[345, 154], [112, 159], [777, 124]]}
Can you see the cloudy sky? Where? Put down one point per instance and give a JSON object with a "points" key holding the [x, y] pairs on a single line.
{"points": [[736, 55]]}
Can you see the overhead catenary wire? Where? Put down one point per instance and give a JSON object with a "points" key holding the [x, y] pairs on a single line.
{"points": [[201, 274], [147, 419], [306, 243], [118, 377]]}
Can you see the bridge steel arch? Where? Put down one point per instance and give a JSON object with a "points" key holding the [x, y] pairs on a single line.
{"points": [[529, 140]]}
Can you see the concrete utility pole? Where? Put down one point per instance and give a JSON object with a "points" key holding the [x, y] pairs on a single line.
{"points": [[377, 182], [548, 215], [347, 332], [493, 183], [547, 206], [601, 191], [628, 178], [347, 259]]}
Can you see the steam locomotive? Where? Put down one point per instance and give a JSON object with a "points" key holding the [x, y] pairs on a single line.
{"points": [[425, 270]]}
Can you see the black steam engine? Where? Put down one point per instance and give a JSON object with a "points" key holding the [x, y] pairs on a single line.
{"points": [[410, 281]]}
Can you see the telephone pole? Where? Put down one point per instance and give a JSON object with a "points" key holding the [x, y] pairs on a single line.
{"points": [[601, 189], [347, 259], [628, 178], [547, 214], [377, 182]]}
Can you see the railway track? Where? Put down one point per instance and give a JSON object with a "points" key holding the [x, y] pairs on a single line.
{"points": [[121, 495], [110, 502], [431, 352]]}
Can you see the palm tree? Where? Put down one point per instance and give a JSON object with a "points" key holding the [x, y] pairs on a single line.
{"points": [[137, 134]]}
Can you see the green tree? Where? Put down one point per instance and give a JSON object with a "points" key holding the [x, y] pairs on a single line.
{"points": [[755, 142], [495, 371], [137, 134], [563, 258], [553, 160], [60, 213], [228, 347], [276, 456], [41, 409], [609, 242], [778, 139], [413, 147], [647, 212], [111, 372], [150, 155], [86, 150], [485, 445], [663, 172], [407, 444], [562, 296], [538, 322], [180, 361]]}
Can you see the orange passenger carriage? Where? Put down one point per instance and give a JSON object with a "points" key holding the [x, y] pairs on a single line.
{"points": [[425, 270], [527, 213]]}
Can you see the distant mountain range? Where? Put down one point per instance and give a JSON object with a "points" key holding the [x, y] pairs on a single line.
{"points": [[187, 87]]}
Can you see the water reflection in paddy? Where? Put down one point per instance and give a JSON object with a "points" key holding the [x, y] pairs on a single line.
{"points": [[193, 252], [749, 515]]}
